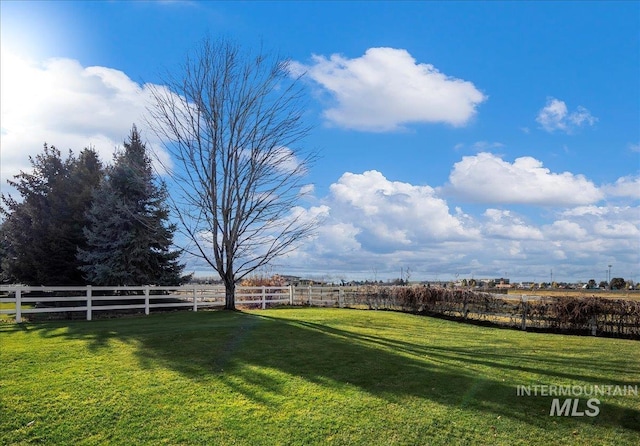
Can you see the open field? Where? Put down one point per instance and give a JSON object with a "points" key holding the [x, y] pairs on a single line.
{"points": [[618, 294], [304, 376]]}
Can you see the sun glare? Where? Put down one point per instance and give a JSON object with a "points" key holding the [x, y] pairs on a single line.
{"points": [[18, 77], [33, 31]]}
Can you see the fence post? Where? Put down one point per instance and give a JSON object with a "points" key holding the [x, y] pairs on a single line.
{"points": [[195, 299], [18, 305], [89, 295], [309, 295], [341, 297], [290, 294], [525, 307], [263, 297], [594, 326], [146, 300]]}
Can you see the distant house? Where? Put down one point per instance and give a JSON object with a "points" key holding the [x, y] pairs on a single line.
{"points": [[299, 281], [504, 283], [291, 280]]}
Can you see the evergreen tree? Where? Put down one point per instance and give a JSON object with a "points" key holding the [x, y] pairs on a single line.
{"points": [[42, 232], [618, 283], [4, 255], [128, 236]]}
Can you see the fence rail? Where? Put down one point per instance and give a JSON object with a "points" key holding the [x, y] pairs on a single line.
{"points": [[595, 316], [24, 300]]}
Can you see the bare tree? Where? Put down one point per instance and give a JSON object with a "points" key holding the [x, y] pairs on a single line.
{"points": [[232, 122]]}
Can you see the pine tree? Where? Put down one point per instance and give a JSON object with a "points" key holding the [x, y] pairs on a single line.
{"points": [[44, 229], [129, 238]]}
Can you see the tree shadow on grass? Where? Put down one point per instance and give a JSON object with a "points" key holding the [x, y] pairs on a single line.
{"points": [[233, 346], [522, 361]]}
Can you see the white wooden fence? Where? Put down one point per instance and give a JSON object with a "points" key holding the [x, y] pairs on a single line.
{"points": [[33, 299]]}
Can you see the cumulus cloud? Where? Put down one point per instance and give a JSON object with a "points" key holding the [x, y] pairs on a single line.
{"points": [[606, 225], [555, 116], [393, 214], [386, 88], [626, 187], [623, 229], [376, 223], [581, 211], [374, 226], [504, 224], [565, 229], [67, 105], [612, 237], [487, 178]]}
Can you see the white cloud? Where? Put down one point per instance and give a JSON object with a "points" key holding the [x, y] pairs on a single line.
{"points": [[623, 229], [69, 106], [565, 229], [307, 190], [386, 88], [374, 227], [487, 178], [555, 116], [285, 160], [392, 214], [375, 223], [503, 224], [628, 186], [581, 211], [608, 222]]}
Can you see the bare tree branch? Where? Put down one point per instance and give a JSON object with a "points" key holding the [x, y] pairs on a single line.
{"points": [[232, 123]]}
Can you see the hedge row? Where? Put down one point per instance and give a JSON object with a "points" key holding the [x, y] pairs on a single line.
{"points": [[592, 315]]}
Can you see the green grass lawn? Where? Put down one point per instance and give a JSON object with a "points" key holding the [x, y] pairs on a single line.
{"points": [[6, 306], [301, 377]]}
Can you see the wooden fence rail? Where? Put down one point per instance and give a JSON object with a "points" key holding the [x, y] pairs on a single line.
{"points": [[599, 317], [31, 299]]}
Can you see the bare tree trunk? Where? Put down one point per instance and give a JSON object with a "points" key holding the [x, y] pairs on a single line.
{"points": [[233, 123], [229, 295]]}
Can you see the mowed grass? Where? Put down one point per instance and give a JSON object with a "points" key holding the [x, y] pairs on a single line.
{"points": [[9, 306], [303, 377]]}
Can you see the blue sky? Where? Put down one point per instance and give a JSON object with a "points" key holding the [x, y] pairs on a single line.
{"points": [[457, 139]]}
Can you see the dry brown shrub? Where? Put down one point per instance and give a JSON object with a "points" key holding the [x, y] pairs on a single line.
{"points": [[273, 281]]}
